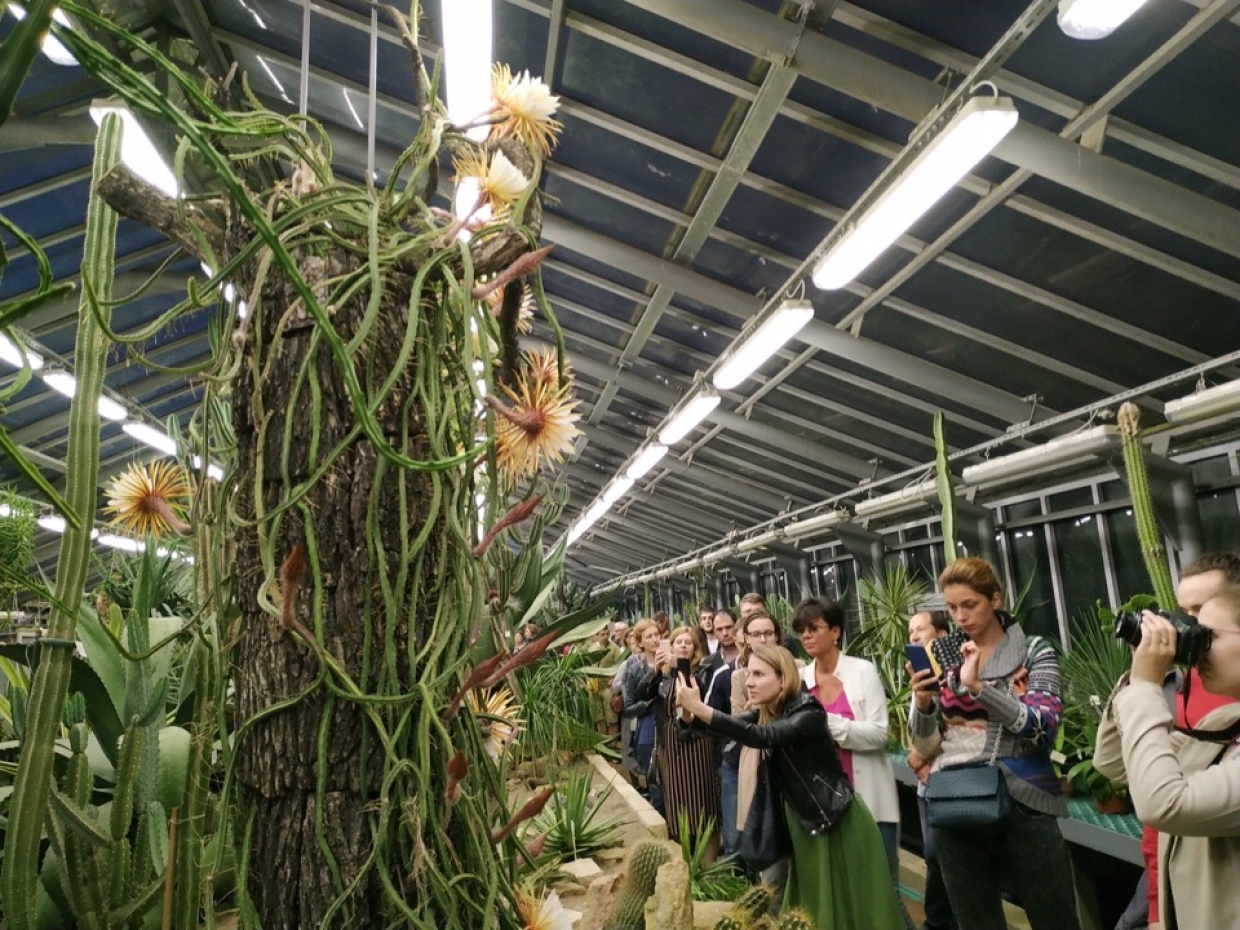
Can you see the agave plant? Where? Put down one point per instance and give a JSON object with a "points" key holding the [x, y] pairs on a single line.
{"points": [[572, 823]]}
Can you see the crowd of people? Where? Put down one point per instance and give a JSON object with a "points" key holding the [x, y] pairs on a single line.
{"points": [[778, 748]]}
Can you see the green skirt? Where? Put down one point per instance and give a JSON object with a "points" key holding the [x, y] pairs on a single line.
{"points": [[840, 877]]}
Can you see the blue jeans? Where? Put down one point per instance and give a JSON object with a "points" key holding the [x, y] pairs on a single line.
{"points": [[728, 775]]}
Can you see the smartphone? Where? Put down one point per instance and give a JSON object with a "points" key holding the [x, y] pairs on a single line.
{"points": [[921, 660], [665, 644], [682, 668]]}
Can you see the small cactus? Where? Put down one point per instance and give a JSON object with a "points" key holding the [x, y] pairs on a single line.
{"points": [[754, 903], [628, 912], [732, 922], [796, 919]]}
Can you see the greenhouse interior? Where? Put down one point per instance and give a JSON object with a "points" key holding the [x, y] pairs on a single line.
{"points": [[620, 464]]}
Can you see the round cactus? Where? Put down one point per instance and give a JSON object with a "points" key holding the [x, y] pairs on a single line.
{"points": [[644, 864], [730, 922], [795, 919], [755, 902]]}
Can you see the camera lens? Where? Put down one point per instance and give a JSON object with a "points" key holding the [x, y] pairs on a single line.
{"points": [[1128, 627]]}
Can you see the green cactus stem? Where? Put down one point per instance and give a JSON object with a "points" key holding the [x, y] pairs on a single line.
{"points": [[947, 496], [33, 784], [1148, 532]]}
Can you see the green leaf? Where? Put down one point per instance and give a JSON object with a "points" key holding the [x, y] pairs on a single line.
{"points": [[35, 477], [571, 621], [532, 611], [103, 656], [20, 50]]}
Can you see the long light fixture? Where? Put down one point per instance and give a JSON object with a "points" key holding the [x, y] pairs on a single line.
{"points": [[1211, 402], [617, 489], [18, 355], [52, 47], [137, 151], [1095, 19], [897, 502], [976, 128], [646, 460], [1063, 450], [467, 37], [766, 338], [818, 523], [149, 435], [689, 414], [64, 383]]}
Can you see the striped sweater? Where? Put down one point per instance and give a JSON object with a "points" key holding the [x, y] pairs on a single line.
{"points": [[1018, 710]]}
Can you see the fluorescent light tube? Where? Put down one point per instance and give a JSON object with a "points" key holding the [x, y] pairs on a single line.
{"points": [[970, 135], [217, 474], [690, 414], [815, 524], [12, 353], [61, 382], [617, 489], [52, 522], [1094, 19], [908, 498], [149, 435], [596, 512], [467, 37], [765, 340], [648, 459], [1224, 398], [111, 410], [137, 151], [52, 47], [1063, 450], [112, 541]]}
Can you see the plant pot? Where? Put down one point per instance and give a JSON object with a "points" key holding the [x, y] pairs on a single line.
{"points": [[1114, 804]]}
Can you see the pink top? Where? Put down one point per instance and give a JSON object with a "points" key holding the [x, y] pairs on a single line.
{"points": [[841, 707]]}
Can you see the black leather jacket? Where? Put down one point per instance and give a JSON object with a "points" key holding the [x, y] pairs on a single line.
{"points": [[803, 753]]}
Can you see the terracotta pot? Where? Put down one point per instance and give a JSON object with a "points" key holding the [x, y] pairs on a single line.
{"points": [[1114, 804]]}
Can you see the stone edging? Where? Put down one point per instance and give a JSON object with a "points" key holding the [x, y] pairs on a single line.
{"points": [[643, 813]]}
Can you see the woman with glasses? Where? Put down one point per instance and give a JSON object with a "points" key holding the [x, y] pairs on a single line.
{"points": [[852, 694]]}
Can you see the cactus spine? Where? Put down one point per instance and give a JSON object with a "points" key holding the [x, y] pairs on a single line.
{"points": [[628, 912], [1150, 536], [33, 784], [754, 903], [732, 922], [796, 919]]}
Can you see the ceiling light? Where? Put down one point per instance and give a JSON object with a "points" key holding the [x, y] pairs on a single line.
{"points": [[217, 474], [137, 151], [467, 28], [765, 339], [1094, 19], [52, 522], [52, 47], [968, 137], [18, 355], [111, 410], [1063, 450], [760, 541], [112, 541], [815, 524], [61, 382], [648, 459], [1210, 402], [149, 435], [905, 499], [617, 489], [690, 413]]}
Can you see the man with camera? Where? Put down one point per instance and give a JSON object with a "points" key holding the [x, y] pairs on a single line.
{"points": [[1137, 729]]}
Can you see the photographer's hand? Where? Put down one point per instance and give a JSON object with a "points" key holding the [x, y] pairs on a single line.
{"points": [[1152, 659]]}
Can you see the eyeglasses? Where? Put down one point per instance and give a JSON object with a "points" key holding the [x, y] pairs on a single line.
{"points": [[760, 634], [815, 629]]}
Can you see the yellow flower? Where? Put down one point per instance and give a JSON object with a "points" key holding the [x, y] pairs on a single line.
{"points": [[540, 425], [525, 315], [149, 499], [487, 185], [524, 107], [544, 366], [547, 913], [498, 703]]}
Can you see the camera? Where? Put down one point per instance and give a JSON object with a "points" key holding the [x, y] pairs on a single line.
{"points": [[1192, 640]]}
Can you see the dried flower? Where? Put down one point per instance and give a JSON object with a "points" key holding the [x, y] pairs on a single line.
{"points": [[149, 499], [518, 514], [532, 808], [480, 674], [458, 769], [522, 265], [543, 913], [540, 426], [524, 107]]}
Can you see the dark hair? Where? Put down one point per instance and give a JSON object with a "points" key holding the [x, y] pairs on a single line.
{"points": [[763, 615], [706, 608], [1226, 562], [662, 619], [977, 574], [813, 609], [939, 619], [728, 611]]}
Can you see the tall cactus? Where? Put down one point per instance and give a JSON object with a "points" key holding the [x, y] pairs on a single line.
{"points": [[33, 784], [947, 496], [1148, 532]]}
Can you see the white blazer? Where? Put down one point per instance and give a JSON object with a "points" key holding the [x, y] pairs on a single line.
{"points": [[866, 736]]}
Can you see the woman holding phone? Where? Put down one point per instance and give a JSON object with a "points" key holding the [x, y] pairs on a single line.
{"points": [[685, 760], [642, 711], [993, 719]]}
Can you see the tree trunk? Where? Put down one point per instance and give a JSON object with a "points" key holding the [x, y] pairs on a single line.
{"points": [[320, 737]]}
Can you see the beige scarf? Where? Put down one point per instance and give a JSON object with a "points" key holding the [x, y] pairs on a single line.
{"points": [[747, 768]]}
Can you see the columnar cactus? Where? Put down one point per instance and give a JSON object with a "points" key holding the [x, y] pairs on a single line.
{"points": [[628, 912], [1148, 533]]}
